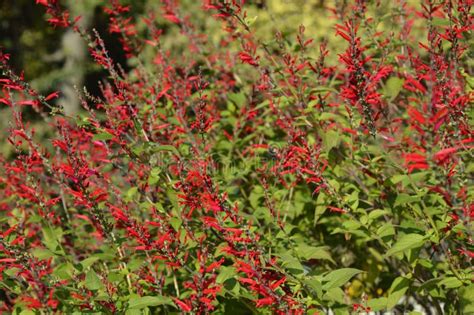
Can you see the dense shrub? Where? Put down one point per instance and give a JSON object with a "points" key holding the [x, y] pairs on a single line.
{"points": [[232, 173]]}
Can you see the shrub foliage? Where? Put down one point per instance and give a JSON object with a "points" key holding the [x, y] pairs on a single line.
{"points": [[233, 173]]}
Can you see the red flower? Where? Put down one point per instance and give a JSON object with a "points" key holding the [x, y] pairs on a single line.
{"points": [[264, 302], [184, 306], [247, 58]]}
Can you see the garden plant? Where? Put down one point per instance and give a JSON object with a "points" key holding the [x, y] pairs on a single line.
{"points": [[233, 162]]}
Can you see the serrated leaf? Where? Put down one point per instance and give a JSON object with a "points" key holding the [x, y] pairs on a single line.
{"points": [[145, 301], [405, 242], [339, 277]]}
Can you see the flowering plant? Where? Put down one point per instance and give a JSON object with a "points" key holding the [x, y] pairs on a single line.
{"points": [[247, 175]]}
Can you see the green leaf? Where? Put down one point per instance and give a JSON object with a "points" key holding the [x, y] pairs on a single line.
{"points": [[324, 89], [64, 271], [42, 253], [376, 214], [436, 21], [334, 295], [406, 179], [92, 281], [377, 304], [89, 261], [450, 283], [145, 301], [407, 241], [135, 311], [310, 252], [339, 277], [154, 177], [139, 149], [51, 238], [321, 206], [115, 277], [403, 199], [291, 263], [331, 139], [328, 116], [397, 290], [393, 87], [103, 136], [386, 230], [466, 299], [168, 148], [176, 223], [131, 193], [314, 284], [226, 273], [351, 225], [237, 98], [255, 196]]}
